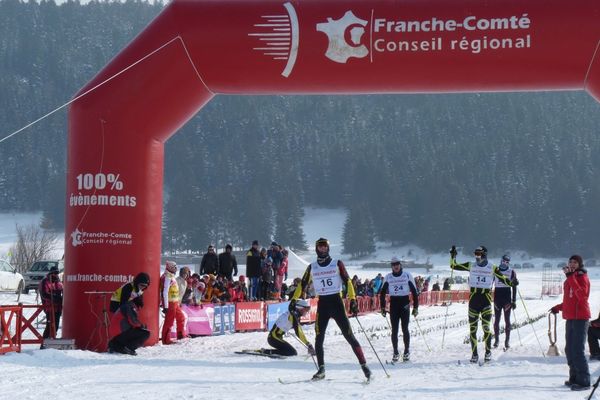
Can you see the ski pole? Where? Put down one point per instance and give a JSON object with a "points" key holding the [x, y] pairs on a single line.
{"points": [[386, 320], [595, 386], [422, 335], [368, 340], [447, 301], [298, 339], [531, 323]]}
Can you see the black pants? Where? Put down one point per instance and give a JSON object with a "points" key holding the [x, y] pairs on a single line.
{"points": [[480, 304], [281, 346], [502, 306], [331, 306], [400, 311], [131, 338], [47, 330], [575, 336]]}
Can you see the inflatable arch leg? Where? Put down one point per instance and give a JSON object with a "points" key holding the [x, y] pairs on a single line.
{"points": [[115, 185]]}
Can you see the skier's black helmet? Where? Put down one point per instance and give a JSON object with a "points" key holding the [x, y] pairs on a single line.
{"points": [[322, 242], [481, 251]]}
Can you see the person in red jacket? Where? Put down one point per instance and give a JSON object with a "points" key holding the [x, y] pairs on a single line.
{"points": [[51, 292], [576, 310], [236, 294]]}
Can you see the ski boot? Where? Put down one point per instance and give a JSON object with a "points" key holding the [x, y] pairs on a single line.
{"points": [[406, 356], [488, 356], [474, 358], [506, 346], [496, 343], [128, 351], [320, 374], [395, 357], [366, 371]]}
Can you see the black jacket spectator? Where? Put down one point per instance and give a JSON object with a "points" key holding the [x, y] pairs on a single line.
{"points": [[227, 263], [253, 262], [210, 262]]}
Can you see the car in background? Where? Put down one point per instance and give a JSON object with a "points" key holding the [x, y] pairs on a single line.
{"points": [[38, 271], [10, 279]]}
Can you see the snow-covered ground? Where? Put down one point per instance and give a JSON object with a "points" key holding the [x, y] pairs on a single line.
{"points": [[207, 367]]}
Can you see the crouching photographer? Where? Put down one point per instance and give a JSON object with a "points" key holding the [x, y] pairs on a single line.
{"points": [[126, 331]]}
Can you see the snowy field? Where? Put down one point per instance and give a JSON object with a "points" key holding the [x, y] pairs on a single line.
{"points": [[207, 367]]}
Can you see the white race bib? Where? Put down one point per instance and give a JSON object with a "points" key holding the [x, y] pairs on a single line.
{"points": [[326, 280]]}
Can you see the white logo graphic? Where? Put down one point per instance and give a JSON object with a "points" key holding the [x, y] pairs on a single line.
{"points": [[76, 238], [340, 50], [279, 37]]}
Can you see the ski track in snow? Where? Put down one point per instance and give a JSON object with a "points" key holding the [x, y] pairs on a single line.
{"points": [[205, 366]]}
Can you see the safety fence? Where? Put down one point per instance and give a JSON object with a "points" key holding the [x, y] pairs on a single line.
{"points": [[17, 322], [18, 326], [10, 335], [211, 319]]}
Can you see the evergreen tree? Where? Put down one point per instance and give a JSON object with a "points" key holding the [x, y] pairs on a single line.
{"points": [[358, 238]]}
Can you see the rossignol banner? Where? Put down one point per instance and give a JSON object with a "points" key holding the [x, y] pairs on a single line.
{"points": [[250, 316], [196, 49]]}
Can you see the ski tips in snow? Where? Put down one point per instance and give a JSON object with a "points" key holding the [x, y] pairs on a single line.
{"points": [[260, 352]]}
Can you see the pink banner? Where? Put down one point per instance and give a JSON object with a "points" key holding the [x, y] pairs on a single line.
{"points": [[198, 319]]}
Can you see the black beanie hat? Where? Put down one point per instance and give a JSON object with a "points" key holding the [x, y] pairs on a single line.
{"points": [[143, 278], [577, 258]]}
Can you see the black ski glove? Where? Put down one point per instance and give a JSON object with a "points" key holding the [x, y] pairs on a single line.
{"points": [[513, 305], [453, 252]]}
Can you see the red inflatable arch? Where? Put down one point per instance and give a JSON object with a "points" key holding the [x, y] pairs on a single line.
{"points": [[196, 49]]}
